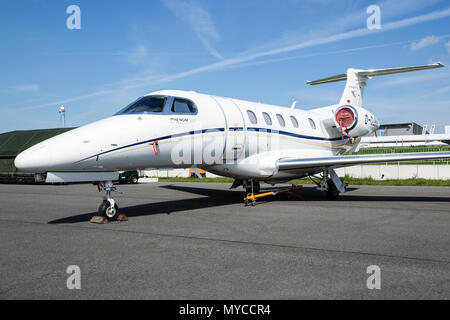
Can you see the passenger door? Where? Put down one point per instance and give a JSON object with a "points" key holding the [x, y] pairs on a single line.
{"points": [[235, 129]]}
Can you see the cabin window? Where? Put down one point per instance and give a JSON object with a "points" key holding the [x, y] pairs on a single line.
{"points": [[267, 118], [312, 123], [281, 120], [183, 106], [294, 122], [252, 117], [145, 105]]}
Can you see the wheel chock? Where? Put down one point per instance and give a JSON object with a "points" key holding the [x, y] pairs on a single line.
{"points": [[103, 220], [99, 220]]}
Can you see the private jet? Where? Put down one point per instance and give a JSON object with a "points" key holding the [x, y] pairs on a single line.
{"points": [[248, 141]]}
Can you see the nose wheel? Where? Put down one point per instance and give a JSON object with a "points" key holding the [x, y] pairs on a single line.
{"points": [[108, 208]]}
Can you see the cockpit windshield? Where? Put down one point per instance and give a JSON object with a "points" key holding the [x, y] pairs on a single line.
{"points": [[145, 105]]}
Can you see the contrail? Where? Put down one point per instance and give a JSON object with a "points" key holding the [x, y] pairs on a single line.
{"points": [[250, 57]]}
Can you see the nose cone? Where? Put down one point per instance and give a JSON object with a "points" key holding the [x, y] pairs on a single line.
{"points": [[36, 159]]}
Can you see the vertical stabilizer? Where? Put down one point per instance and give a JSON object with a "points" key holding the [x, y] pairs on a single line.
{"points": [[354, 88]]}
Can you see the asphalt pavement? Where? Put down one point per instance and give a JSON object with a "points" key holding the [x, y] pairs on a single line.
{"points": [[198, 241]]}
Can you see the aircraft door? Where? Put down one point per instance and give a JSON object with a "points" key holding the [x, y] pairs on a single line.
{"points": [[235, 129]]}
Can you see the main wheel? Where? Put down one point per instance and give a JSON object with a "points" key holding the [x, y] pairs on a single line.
{"points": [[107, 211], [332, 192]]}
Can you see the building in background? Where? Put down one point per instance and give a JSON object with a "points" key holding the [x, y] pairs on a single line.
{"points": [[399, 129], [410, 134]]}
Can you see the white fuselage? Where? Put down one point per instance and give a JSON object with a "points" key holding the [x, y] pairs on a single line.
{"points": [[218, 136]]}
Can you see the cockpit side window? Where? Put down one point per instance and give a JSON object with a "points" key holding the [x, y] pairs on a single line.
{"points": [[182, 106], [145, 104]]}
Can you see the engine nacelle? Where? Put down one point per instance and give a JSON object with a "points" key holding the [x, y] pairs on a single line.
{"points": [[355, 122]]}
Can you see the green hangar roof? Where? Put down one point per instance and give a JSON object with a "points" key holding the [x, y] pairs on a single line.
{"points": [[14, 142]]}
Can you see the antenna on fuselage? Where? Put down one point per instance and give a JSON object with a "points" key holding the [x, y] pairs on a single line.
{"points": [[293, 104], [62, 112]]}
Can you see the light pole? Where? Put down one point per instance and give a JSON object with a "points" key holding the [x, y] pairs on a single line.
{"points": [[62, 112]]}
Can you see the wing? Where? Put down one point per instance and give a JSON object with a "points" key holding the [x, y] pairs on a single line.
{"points": [[343, 161]]}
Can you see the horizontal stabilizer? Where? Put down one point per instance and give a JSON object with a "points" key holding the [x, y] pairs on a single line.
{"points": [[375, 72]]}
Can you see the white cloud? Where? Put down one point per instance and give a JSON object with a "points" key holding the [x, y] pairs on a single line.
{"points": [[312, 43], [137, 55], [247, 57], [354, 18], [425, 42], [90, 95], [199, 19], [412, 78], [29, 87], [448, 46], [148, 63]]}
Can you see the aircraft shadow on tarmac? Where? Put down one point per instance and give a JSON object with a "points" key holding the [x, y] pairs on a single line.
{"points": [[215, 198], [308, 193]]}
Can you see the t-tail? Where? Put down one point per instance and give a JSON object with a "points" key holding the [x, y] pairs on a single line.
{"points": [[345, 115], [357, 79]]}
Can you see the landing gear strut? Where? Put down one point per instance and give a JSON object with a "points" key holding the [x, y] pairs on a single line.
{"points": [[332, 192], [251, 186], [331, 184], [108, 208]]}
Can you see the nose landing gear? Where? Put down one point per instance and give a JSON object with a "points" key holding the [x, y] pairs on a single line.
{"points": [[108, 208]]}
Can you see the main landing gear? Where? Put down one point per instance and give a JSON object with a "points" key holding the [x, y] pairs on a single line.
{"points": [[251, 186], [108, 208], [331, 184]]}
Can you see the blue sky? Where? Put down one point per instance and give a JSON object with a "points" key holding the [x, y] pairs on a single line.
{"points": [[257, 50]]}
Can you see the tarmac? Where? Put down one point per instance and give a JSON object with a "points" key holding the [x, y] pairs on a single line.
{"points": [[199, 241]]}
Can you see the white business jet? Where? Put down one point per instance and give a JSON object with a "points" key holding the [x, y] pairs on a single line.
{"points": [[248, 141]]}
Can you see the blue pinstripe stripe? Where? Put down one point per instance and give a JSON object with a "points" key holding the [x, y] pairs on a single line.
{"points": [[295, 135], [195, 132]]}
